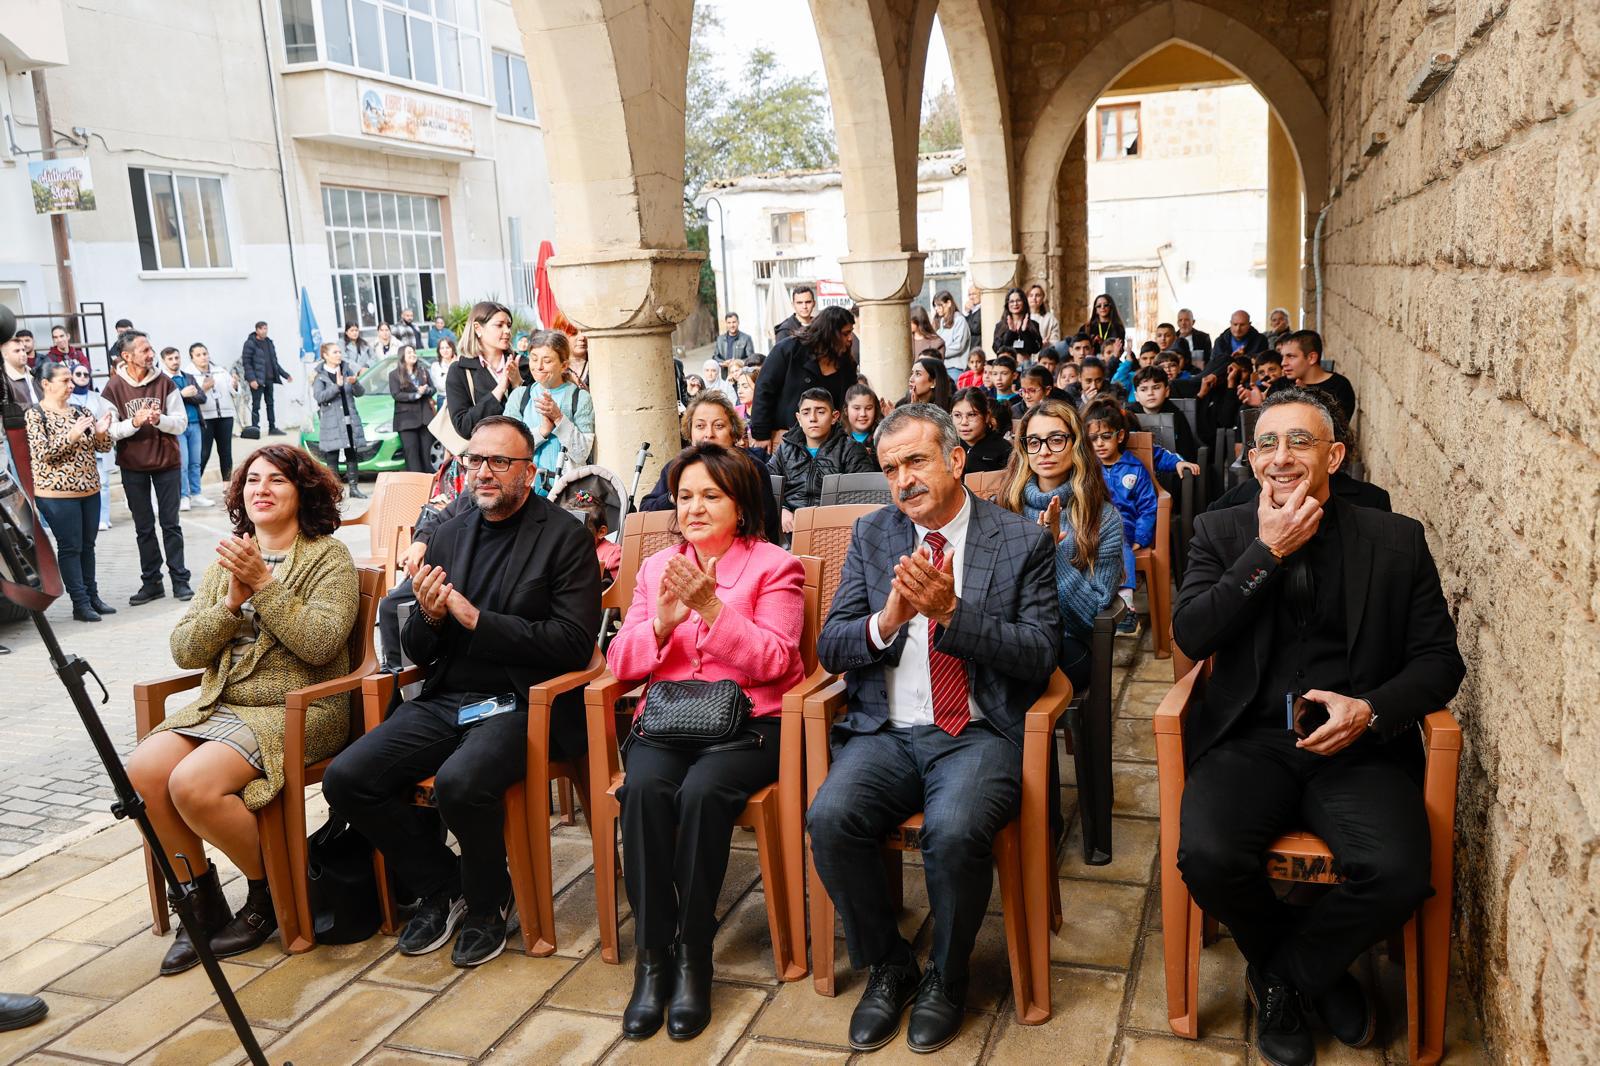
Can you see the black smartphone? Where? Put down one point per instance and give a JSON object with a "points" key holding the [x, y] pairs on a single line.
{"points": [[1306, 716]]}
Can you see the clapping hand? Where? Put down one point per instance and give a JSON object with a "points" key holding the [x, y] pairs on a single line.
{"points": [[437, 597], [104, 425], [79, 428], [929, 590], [694, 587], [546, 406], [241, 558], [670, 611], [1050, 519]]}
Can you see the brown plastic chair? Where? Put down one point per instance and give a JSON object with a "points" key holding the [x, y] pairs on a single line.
{"points": [[281, 824], [527, 803], [774, 812], [1155, 560], [1024, 854], [396, 500], [988, 485], [1302, 857]]}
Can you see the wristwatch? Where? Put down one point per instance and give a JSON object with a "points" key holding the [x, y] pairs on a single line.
{"points": [[1372, 719], [1276, 554]]}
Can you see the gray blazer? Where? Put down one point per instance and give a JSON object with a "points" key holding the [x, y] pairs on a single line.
{"points": [[1007, 624]]}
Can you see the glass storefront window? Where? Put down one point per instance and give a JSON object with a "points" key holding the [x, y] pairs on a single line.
{"points": [[385, 254]]}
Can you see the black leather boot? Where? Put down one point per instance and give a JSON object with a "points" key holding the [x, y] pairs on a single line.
{"points": [[251, 927], [211, 910], [689, 1012], [652, 985], [353, 488]]}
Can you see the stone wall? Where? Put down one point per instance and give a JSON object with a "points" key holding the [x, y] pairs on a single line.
{"points": [[1462, 268]]}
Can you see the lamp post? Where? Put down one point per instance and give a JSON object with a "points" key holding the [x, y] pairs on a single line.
{"points": [[722, 244]]}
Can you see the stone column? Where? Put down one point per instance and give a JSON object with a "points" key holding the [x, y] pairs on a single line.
{"points": [[628, 302], [882, 286], [1284, 214]]}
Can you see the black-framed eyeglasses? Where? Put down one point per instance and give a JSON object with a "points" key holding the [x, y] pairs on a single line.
{"points": [[1299, 441], [498, 463], [1055, 442]]}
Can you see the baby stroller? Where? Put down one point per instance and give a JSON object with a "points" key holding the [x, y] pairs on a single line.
{"points": [[595, 495]]}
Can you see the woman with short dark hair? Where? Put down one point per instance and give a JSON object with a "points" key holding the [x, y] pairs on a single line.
{"points": [[722, 605], [272, 615]]}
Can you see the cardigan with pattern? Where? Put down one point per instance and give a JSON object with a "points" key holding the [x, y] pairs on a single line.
{"points": [[305, 615]]}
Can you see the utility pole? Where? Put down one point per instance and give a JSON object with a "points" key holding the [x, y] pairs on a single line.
{"points": [[58, 221]]}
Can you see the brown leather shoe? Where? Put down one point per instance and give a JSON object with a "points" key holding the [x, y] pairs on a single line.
{"points": [[211, 909]]}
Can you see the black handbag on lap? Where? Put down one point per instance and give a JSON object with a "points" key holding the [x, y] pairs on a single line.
{"points": [[341, 883], [695, 716]]}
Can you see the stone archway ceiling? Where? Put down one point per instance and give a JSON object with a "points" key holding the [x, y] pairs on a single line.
{"points": [[1232, 43]]}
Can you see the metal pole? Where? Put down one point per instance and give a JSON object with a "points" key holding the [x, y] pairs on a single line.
{"points": [[58, 220], [722, 243]]}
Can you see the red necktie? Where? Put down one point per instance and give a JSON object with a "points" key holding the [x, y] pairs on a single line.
{"points": [[947, 673]]}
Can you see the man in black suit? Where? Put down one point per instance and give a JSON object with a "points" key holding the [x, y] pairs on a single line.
{"points": [[939, 681], [1194, 343], [1303, 595], [509, 596]]}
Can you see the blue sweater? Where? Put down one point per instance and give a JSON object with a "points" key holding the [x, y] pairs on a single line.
{"points": [[1134, 495], [1081, 595]]}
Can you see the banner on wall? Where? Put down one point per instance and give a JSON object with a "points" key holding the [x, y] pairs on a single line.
{"points": [[404, 116], [61, 184]]}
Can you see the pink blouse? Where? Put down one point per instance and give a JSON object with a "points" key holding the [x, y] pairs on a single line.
{"points": [[756, 638]]}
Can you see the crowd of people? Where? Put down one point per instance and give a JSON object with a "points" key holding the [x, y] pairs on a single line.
{"points": [[951, 614]]}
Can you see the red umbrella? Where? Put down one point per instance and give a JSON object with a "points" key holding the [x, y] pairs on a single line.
{"points": [[550, 315]]}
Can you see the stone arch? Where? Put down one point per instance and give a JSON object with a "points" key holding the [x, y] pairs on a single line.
{"points": [[1205, 29], [972, 37]]}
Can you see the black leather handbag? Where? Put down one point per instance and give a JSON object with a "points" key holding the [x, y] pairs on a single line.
{"points": [[341, 883], [695, 716]]}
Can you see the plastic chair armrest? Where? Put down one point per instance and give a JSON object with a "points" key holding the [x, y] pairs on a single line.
{"points": [[1173, 713], [1440, 733], [150, 698]]}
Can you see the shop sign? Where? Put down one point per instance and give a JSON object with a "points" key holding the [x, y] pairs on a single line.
{"points": [[61, 184], [404, 116]]}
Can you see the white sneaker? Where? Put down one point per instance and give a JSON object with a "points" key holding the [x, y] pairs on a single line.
{"points": [[183, 504], [203, 501], [105, 525]]}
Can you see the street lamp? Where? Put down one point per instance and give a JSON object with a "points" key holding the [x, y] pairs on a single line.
{"points": [[722, 243]]}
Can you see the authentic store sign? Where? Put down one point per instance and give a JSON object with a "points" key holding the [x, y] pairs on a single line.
{"points": [[61, 184], [404, 116]]}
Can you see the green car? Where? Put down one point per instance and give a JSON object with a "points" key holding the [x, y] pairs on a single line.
{"points": [[377, 421]]}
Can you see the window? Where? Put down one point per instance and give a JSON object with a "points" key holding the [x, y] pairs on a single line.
{"points": [[513, 92], [789, 227], [180, 219], [1119, 131], [435, 42], [385, 254]]}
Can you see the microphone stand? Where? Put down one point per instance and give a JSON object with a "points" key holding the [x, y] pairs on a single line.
{"points": [[18, 555]]}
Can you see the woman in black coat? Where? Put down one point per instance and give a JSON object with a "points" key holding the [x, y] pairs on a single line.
{"points": [[1016, 334], [411, 388], [817, 357], [986, 448], [478, 382]]}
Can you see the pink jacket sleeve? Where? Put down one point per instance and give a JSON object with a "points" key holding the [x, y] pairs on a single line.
{"points": [[632, 653], [765, 643]]}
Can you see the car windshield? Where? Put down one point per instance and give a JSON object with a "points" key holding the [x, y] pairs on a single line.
{"points": [[375, 379]]}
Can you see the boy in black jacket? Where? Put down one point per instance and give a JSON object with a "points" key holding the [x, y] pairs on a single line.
{"points": [[1150, 397], [815, 447]]}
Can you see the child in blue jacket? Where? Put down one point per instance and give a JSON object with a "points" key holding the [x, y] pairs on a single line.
{"points": [[1133, 493]]}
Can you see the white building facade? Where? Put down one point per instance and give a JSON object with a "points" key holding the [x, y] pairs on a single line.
{"points": [[1176, 215], [379, 154]]}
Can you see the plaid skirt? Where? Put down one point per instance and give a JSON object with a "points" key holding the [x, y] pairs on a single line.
{"points": [[225, 727]]}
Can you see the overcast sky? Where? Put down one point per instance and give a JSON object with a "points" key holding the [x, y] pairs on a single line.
{"points": [[785, 27]]}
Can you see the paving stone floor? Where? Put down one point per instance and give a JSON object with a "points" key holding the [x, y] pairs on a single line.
{"points": [[75, 926]]}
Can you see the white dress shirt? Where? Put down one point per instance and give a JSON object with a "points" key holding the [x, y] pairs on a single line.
{"points": [[910, 684]]}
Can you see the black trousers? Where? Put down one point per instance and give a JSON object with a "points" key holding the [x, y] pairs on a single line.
{"points": [[256, 396], [152, 496], [217, 432], [414, 445], [678, 810], [967, 788], [389, 624], [372, 781], [351, 463], [1255, 785], [75, 524]]}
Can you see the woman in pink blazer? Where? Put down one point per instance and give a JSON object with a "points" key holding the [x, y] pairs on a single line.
{"points": [[724, 604]]}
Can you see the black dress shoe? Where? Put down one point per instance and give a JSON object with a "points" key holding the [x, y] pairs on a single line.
{"points": [[274, 431], [250, 927], [890, 989], [211, 910], [689, 1010], [101, 606], [936, 1015], [17, 1012], [146, 594], [1347, 1012], [85, 614], [1282, 1036], [182, 591], [652, 985]]}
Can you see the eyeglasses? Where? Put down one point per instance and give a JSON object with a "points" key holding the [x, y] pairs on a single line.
{"points": [[1299, 441], [498, 463], [1055, 442], [1108, 437]]}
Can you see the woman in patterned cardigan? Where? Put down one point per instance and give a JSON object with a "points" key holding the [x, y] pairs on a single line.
{"points": [[273, 615]]}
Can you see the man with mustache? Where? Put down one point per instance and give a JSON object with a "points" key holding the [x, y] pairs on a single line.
{"points": [[1329, 639], [946, 627]]}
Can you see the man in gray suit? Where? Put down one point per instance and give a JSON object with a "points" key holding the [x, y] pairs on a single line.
{"points": [[945, 626]]}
